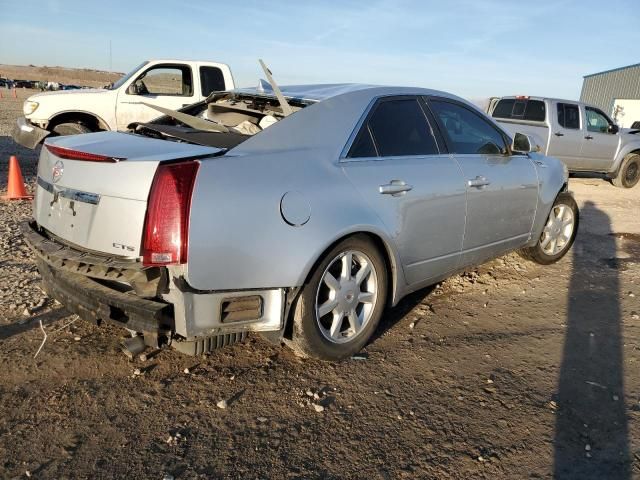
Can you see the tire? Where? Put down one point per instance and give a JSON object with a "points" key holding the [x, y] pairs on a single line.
{"points": [[629, 173], [556, 239], [337, 335], [70, 129]]}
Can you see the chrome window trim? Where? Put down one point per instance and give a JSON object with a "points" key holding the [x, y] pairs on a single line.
{"points": [[395, 158]]}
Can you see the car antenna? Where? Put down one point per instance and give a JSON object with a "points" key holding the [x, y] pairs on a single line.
{"points": [[286, 108]]}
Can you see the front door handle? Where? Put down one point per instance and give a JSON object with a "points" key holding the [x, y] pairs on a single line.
{"points": [[395, 188], [478, 182], [589, 137], [559, 134]]}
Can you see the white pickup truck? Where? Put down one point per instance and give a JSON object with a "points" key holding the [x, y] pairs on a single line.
{"points": [[165, 83], [580, 135]]}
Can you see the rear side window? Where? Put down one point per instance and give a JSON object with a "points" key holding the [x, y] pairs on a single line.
{"points": [[468, 132], [363, 145], [520, 109], [211, 80], [569, 116], [395, 128]]}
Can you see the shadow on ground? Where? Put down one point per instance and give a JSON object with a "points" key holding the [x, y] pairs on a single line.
{"points": [[591, 431]]}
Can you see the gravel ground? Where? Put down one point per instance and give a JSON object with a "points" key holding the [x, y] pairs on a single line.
{"points": [[511, 370]]}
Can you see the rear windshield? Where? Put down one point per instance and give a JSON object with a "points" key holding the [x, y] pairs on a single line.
{"points": [[518, 109]]}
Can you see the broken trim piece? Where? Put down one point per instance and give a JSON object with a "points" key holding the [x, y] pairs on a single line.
{"points": [[286, 108], [190, 120]]}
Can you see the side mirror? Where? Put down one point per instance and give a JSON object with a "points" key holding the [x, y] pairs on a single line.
{"points": [[614, 129], [133, 89], [521, 143]]}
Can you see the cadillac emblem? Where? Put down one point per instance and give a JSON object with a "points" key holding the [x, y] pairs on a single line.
{"points": [[58, 170]]}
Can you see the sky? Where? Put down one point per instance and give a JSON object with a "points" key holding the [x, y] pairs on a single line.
{"points": [[473, 48]]}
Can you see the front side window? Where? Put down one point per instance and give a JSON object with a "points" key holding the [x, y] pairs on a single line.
{"points": [[569, 116], [395, 128], [468, 131], [166, 80], [596, 121], [126, 77]]}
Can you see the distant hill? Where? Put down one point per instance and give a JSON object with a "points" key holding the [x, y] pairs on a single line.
{"points": [[75, 76]]}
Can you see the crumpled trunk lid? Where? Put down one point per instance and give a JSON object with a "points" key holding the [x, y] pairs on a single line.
{"points": [[101, 205]]}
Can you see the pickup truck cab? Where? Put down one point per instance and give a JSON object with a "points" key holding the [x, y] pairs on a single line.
{"points": [[165, 83], [580, 135]]}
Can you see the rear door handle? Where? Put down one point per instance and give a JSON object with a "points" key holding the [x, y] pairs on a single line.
{"points": [[478, 182], [589, 137], [395, 188], [559, 134]]}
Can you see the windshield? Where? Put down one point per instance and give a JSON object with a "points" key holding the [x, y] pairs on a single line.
{"points": [[126, 77]]}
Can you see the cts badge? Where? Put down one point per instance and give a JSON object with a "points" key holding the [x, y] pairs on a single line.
{"points": [[58, 170], [126, 248]]}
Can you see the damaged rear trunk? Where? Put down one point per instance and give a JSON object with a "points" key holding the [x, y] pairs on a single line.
{"points": [[88, 185]]}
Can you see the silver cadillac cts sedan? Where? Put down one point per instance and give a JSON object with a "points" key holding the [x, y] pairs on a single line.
{"points": [[299, 213]]}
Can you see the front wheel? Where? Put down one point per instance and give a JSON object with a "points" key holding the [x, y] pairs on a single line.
{"points": [[558, 233], [629, 173], [341, 304], [71, 128]]}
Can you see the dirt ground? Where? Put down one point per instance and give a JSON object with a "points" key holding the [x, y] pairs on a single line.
{"points": [[512, 370]]}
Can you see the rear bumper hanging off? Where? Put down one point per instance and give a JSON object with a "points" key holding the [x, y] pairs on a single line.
{"points": [[121, 291], [64, 277], [95, 302]]}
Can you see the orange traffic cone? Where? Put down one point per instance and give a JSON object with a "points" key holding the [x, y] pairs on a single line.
{"points": [[15, 184]]}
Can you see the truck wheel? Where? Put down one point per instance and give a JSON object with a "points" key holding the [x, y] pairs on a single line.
{"points": [[341, 304], [558, 234], [70, 129], [629, 172]]}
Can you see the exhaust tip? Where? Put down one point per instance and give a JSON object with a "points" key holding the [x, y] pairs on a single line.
{"points": [[133, 346]]}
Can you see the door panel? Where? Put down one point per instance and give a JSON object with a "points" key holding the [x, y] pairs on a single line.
{"points": [[566, 134], [396, 164], [502, 189], [501, 212], [599, 146], [426, 222]]}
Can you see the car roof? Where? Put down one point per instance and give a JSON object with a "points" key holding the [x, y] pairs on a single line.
{"points": [[319, 92], [337, 109]]}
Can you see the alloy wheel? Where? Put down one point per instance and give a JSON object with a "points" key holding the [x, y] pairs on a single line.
{"points": [[558, 230], [346, 296]]}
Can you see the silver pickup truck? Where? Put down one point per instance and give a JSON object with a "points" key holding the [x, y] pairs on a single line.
{"points": [[580, 135]]}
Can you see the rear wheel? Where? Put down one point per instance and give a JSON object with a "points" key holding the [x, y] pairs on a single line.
{"points": [[558, 234], [341, 304], [71, 128], [629, 173]]}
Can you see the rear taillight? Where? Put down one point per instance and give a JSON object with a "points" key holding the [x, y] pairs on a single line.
{"points": [[70, 154], [166, 229]]}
